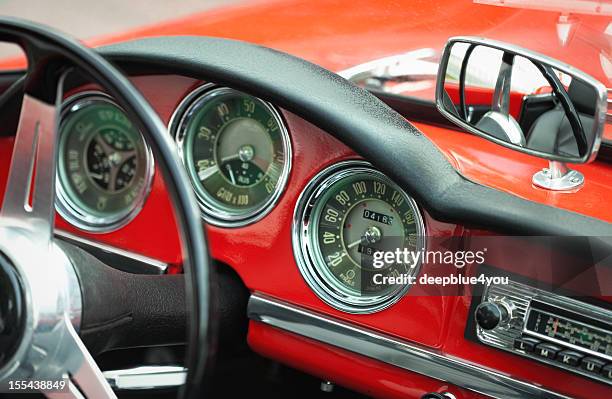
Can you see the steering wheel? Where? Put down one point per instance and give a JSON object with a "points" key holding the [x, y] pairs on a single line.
{"points": [[43, 294]]}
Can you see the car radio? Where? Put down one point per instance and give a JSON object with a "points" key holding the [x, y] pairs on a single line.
{"points": [[557, 330]]}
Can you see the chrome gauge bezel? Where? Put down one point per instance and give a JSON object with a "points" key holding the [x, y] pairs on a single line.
{"points": [[67, 207], [211, 211], [308, 257]]}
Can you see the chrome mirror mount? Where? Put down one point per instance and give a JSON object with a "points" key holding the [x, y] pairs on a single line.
{"points": [[558, 177], [525, 101]]}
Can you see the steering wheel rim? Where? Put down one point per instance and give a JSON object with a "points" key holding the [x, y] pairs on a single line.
{"points": [[50, 55]]}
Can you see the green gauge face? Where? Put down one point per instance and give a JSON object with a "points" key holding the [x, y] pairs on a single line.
{"points": [[347, 217], [236, 150], [104, 165]]}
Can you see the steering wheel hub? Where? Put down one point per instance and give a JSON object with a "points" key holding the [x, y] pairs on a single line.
{"points": [[12, 320], [40, 298]]}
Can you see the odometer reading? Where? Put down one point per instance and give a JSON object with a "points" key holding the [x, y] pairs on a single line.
{"points": [[351, 215], [104, 166], [377, 217], [236, 150]]}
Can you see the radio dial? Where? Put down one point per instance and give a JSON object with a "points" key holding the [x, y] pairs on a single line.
{"points": [[493, 314], [560, 331]]}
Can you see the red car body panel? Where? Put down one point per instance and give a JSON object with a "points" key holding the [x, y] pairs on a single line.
{"points": [[337, 35]]}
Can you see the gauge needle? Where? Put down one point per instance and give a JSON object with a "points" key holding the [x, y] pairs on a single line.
{"points": [[96, 176], [206, 173], [351, 245], [229, 157], [231, 173]]}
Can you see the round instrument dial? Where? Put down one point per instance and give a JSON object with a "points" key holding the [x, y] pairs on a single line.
{"points": [[346, 215], [236, 151], [105, 167]]}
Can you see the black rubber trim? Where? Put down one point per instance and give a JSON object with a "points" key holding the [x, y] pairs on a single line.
{"points": [[416, 109], [358, 119], [126, 310]]}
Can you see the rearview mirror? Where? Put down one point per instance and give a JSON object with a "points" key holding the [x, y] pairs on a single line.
{"points": [[525, 101]]}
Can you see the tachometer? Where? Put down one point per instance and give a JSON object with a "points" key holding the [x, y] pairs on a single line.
{"points": [[236, 150], [105, 167], [346, 215]]}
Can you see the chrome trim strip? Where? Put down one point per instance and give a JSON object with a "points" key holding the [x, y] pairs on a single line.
{"points": [[416, 65], [146, 377], [389, 350], [157, 266], [609, 109]]}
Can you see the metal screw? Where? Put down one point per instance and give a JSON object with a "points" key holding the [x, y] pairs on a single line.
{"points": [[372, 235], [246, 153], [327, 386]]}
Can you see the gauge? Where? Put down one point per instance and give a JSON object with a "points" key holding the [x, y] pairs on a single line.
{"points": [[346, 215], [236, 150], [105, 167]]}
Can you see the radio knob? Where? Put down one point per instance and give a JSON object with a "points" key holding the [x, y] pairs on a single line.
{"points": [[490, 315]]}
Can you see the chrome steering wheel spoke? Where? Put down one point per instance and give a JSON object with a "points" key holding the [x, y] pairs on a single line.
{"points": [[30, 191], [84, 375], [37, 273], [51, 348]]}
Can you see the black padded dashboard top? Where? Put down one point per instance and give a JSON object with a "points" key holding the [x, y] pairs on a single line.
{"points": [[358, 119]]}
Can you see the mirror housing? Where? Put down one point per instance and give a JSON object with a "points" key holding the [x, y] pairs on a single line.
{"points": [[563, 109]]}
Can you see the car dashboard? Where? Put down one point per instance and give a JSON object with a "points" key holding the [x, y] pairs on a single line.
{"points": [[280, 199]]}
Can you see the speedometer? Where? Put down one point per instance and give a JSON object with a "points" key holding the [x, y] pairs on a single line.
{"points": [[236, 150], [345, 216], [105, 167]]}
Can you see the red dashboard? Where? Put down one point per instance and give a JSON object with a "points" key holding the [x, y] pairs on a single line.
{"points": [[263, 256]]}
